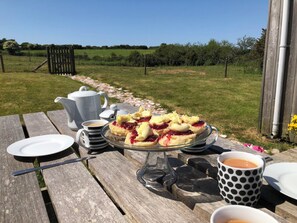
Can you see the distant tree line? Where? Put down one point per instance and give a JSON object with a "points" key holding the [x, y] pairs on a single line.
{"points": [[32, 46], [247, 51]]}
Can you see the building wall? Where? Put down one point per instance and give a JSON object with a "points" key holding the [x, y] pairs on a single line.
{"points": [[289, 102]]}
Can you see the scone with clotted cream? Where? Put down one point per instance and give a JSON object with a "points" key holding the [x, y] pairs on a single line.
{"points": [[142, 136], [142, 115], [177, 134], [196, 125], [122, 125], [159, 123]]}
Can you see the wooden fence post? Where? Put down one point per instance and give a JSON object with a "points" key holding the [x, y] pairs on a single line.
{"points": [[144, 61], [226, 67], [2, 63]]}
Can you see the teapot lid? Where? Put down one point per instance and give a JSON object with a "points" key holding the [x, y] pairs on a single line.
{"points": [[111, 112], [82, 92]]}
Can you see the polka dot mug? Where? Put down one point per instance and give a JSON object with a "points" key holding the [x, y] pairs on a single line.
{"points": [[240, 185]]}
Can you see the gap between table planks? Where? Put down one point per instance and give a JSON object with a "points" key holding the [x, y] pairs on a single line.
{"points": [[118, 176], [21, 198], [75, 195]]}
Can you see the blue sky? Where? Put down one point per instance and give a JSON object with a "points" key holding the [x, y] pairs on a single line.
{"points": [[133, 22]]}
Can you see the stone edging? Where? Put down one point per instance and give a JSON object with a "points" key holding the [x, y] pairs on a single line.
{"points": [[122, 95]]}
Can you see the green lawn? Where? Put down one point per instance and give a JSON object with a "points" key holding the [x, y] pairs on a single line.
{"points": [[231, 104]]}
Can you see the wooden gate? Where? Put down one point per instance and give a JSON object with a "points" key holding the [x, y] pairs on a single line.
{"points": [[61, 60]]}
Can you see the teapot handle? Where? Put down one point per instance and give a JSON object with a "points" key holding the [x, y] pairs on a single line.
{"points": [[101, 93], [83, 88]]}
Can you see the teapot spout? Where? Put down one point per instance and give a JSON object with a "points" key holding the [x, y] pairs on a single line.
{"points": [[74, 119]]}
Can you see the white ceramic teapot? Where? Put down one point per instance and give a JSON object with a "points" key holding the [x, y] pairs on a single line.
{"points": [[82, 105]]}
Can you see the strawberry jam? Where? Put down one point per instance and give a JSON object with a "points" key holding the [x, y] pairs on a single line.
{"points": [[171, 132], [144, 119], [198, 124], [158, 127], [127, 125], [151, 138]]}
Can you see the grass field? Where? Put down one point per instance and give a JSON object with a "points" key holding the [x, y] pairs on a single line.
{"points": [[231, 104], [98, 52]]}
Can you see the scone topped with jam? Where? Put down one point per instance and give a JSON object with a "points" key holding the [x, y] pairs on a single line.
{"points": [[177, 134], [142, 115], [142, 136], [122, 125], [196, 125], [159, 123]]}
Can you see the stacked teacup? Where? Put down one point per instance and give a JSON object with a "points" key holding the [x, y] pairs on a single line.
{"points": [[90, 135]]}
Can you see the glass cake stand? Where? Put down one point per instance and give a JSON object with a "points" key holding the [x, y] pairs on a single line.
{"points": [[156, 173]]}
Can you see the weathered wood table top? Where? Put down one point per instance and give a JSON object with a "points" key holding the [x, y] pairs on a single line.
{"points": [[105, 189]]}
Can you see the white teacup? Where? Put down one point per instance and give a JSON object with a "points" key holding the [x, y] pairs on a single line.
{"points": [[239, 212], [90, 135], [240, 184]]}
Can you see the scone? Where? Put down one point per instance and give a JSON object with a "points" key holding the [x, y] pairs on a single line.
{"points": [[142, 136], [159, 123], [177, 134], [196, 125], [122, 125], [142, 115]]}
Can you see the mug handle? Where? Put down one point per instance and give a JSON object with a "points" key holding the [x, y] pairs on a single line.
{"points": [[264, 161], [101, 93], [77, 138]]}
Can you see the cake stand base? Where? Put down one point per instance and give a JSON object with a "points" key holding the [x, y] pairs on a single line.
{"points": [[156, 172]]}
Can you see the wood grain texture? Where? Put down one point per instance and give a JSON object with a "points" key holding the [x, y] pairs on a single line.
{"points": [[206, 162], [194, 187], [75, 195], [270, 66], [290, 92], [270, 71], [118, 176], [20, 197]]}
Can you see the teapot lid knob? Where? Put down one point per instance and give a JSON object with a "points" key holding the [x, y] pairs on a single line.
{"points": [[83, 88]]}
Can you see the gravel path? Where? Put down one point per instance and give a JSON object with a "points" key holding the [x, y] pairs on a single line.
{"points": [[122, 95]]}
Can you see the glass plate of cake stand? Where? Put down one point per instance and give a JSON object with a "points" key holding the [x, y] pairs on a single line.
{"points": [[156, 173]]}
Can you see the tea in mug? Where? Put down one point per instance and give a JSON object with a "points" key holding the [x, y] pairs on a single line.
{"points": [[94, 124], [239, 163], [236, 221]]}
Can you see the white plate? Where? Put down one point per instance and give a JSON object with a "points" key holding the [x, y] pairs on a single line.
{"points": [[40, 145], [282, 177]]}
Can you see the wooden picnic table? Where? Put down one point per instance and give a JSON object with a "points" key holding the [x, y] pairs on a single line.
{"points": [[105, 189]]}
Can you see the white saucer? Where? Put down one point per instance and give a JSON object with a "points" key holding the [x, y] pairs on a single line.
{"points": [[40, 145], [100, 146], [282, 177]]}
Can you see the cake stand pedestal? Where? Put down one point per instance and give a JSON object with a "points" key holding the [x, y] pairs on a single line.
{"points": [[156, 173]]}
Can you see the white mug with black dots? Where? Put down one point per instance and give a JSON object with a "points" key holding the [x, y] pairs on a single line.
{"points": [[240, 177]]}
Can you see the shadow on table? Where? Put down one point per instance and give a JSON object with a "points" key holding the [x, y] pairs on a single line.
{"points": [[271, 198], [205, 161], [195, 186]]}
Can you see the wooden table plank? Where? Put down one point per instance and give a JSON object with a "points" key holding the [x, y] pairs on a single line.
{"points": [[286, 156], [118, 176], [206, 162], [75, 195], [193, 187], [21, 198], [201, 193]]}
